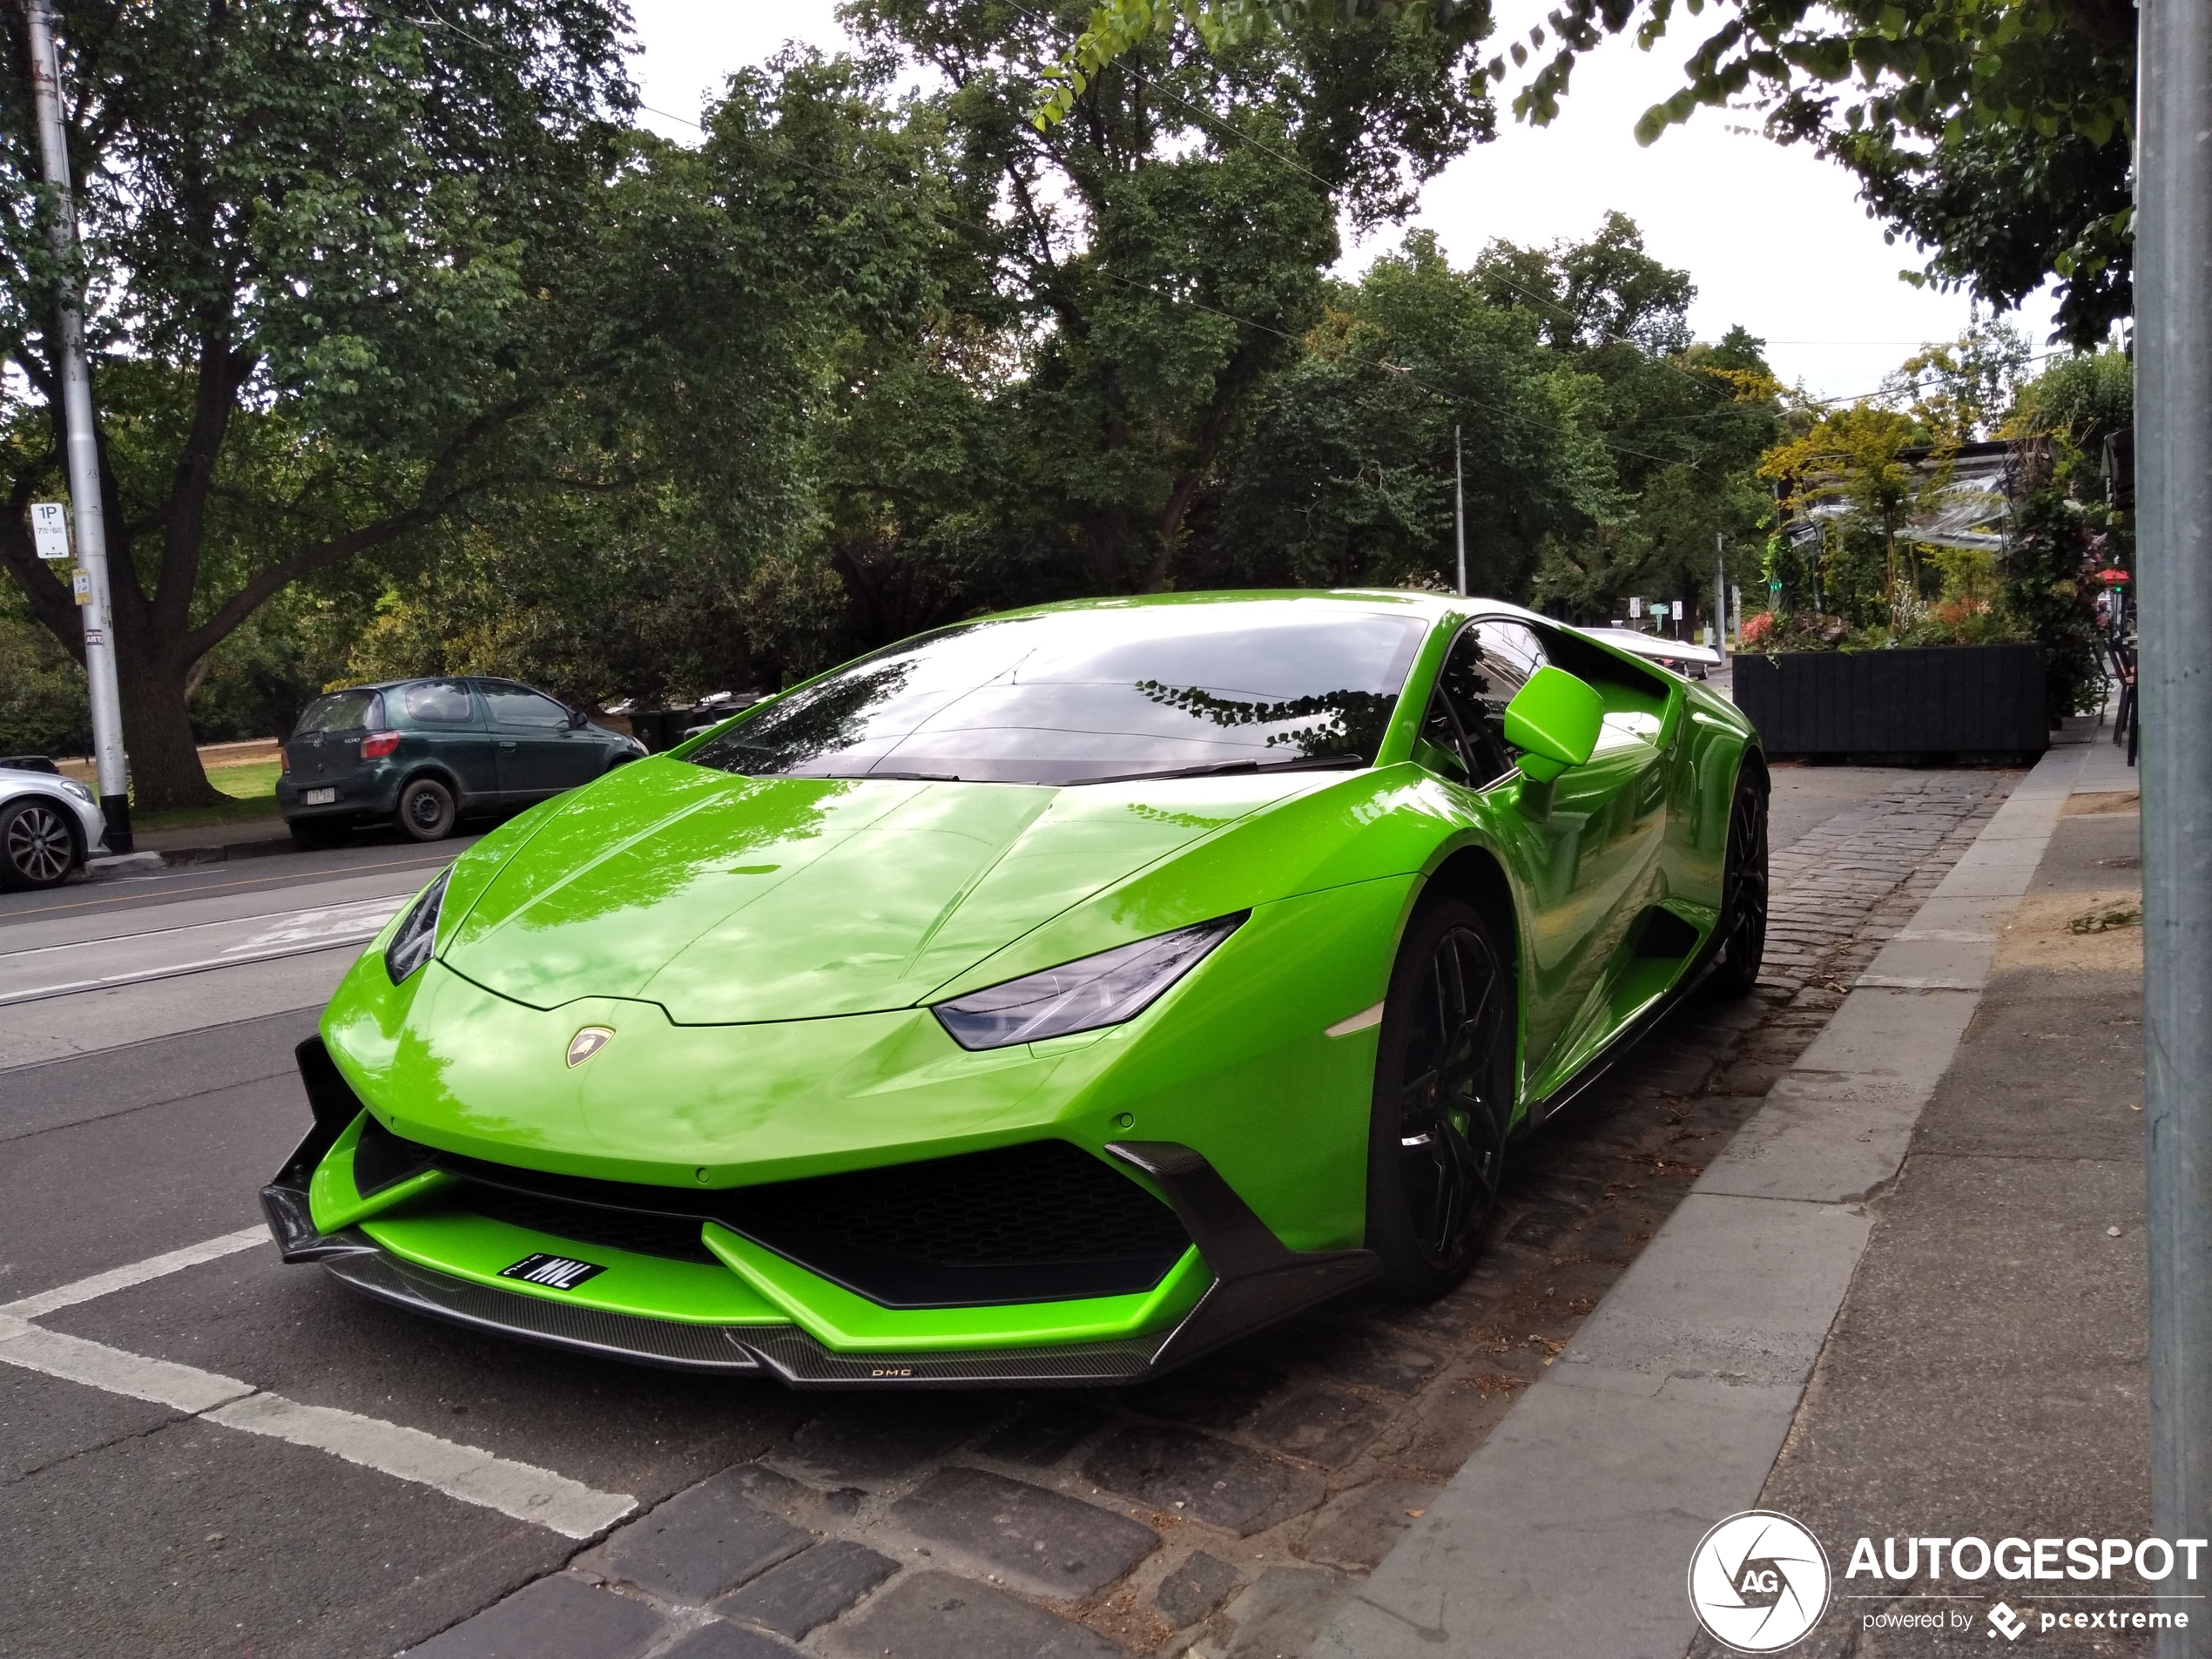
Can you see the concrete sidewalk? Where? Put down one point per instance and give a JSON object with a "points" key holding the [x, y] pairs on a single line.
{"points": [[1570, 1531], [1987, 1376]]}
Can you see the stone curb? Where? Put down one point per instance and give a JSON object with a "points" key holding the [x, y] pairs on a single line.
{"points": [[1571, 1529], [175, 857]]}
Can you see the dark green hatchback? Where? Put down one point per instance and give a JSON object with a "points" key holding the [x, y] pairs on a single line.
{"points": [[421, 753]]}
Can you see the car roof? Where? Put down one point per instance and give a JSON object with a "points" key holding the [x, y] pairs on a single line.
{"points": [[1424, 602]]}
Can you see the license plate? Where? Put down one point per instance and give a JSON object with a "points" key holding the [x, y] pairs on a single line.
{"points": [[320, 797]]}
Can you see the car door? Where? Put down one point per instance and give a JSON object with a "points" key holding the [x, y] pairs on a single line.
{"points": [[1585, 844], [447, 719], [539, 750]]}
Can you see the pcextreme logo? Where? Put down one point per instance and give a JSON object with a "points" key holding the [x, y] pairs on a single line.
{"points": [[1759, 1581]]}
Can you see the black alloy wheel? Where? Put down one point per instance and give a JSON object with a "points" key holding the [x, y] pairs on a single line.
{"points": [[37, 847], [427, 812], [1744, 890], [1444, 1086]]}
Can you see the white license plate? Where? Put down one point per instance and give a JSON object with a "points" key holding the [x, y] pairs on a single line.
{"points": [[320, 797]]}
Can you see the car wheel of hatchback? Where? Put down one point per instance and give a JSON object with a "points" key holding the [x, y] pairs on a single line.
{"points": [[1444, 1074], [427, 810], [37, 849]]}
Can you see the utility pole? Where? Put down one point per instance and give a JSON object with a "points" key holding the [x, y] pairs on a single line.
{"points": [[1459, 509], [1720, 594], [2174, 609], [83, 448]]}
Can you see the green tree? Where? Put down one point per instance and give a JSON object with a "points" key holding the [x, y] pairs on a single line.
{"points": [[1684, 423], [335, 275], [1346, 479], [1996, 134], [1157, 256]]}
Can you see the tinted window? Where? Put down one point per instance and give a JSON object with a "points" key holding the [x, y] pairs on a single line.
{"points": [[1488, 664], [512, 705], [1089, 696], [342, 712], [438, 703]]}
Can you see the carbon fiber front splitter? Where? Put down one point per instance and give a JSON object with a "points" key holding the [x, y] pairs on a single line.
{"points": [[1257, 1280]]}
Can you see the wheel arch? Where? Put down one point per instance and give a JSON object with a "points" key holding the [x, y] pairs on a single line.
{"points": [[430, 767], [78, 846], [1752, 764], [1474, 873]]}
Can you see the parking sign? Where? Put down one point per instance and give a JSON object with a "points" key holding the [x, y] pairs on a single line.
{"points": [[49, 530]]}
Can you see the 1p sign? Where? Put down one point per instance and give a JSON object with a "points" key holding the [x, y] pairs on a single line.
{"points": [[49, 530]]}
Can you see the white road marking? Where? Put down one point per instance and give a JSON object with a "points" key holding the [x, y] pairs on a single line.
{"points": [[467, 1473], [122, 1279], [185, 1388], [132, 959], [1359, 1021]]}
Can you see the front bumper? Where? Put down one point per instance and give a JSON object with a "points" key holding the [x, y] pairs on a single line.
{"points": [[1250, 1279]]}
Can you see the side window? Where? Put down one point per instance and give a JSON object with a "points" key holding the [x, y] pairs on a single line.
{"points": [[438, 703], [513, 705], [1488, 664]]}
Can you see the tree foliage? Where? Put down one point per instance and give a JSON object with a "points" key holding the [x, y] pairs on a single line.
{"points": [[1995, 134], [334, 271]]}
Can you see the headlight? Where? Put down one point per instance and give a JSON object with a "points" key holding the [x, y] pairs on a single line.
{"points": [[418, 934], [1082, 996], [81, 792]]}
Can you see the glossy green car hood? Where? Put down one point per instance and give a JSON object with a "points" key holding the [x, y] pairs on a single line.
{"points": [[734, 900]]}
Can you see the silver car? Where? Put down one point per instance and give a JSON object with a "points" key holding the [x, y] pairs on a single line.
{"points": [[49, 823]]}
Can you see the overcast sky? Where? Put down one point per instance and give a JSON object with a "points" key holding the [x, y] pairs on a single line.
{"points": [[1773, 237]]}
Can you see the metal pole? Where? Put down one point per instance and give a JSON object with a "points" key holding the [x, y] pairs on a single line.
{"points": [[1720, 594], [2174, 565], [83, 448], [1459, 509]]}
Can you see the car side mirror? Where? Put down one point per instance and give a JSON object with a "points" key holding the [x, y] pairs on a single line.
{"points": [[578, 719], [1553, 720]]}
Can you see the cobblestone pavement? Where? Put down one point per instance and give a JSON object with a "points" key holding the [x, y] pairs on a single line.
{"points": [[1225, 1511]]}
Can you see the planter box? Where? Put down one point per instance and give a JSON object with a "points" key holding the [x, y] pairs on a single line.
{"points": [[1944, 700]]}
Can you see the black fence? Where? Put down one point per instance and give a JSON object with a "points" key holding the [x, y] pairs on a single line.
{"points": [[661, 730], [1947, 700]]}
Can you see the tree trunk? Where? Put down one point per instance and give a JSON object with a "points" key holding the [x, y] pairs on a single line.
{"points": [[165, 770]]}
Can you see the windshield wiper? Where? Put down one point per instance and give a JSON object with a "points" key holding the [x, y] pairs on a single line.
{"points": [[1302, 763]]}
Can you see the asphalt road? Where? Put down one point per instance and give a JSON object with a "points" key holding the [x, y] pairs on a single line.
{"points": [[146, 1090]]}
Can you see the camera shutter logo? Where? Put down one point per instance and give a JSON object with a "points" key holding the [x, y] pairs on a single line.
{"points": [[1759, 1581]]}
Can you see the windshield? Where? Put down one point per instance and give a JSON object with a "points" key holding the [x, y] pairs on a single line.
{"points": [[1091, 696], [342, 712]]}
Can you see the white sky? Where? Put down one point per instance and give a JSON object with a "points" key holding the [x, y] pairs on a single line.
{"points": [[1774, 237]]}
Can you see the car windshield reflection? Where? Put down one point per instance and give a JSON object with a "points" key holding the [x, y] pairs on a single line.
{"points": [[1093, 697]]}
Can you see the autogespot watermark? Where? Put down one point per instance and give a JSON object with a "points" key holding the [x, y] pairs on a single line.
{"points": [[1759, 1582]]}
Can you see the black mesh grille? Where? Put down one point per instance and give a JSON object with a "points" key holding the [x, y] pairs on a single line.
{"points": [[1038, 1223], [675, 1237], [1018, 1206]]}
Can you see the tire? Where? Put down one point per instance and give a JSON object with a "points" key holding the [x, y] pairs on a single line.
{"points": [[427, 810], [1444, 1088], [38, 846], [1744, 890], [319, 834]]}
